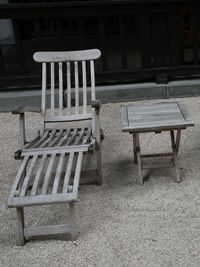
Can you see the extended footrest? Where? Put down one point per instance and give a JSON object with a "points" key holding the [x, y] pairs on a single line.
{"points": [[47, 177]]}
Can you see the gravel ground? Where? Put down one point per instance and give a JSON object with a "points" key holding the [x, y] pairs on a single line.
{"points": [[120, 223]]}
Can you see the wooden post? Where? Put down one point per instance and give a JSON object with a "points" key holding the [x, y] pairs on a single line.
{"points": [[72, 218], [175, 157], [20, 230], [178, 138], [98, 139], [21, 130], [135, 148]]}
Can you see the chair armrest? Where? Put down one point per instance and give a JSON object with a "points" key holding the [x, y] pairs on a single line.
{"points": [[23, 109], [20, 110], [96, 104]]}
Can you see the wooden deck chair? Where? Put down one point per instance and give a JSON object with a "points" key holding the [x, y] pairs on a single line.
{"points": [[51, 163]]}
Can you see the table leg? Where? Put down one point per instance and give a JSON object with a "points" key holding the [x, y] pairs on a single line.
{"points": [[139, 159], [135, 148], [175, 154], [178, 138]]}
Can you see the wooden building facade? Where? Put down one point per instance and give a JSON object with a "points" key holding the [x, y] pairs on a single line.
{"points": [[140, 40]]}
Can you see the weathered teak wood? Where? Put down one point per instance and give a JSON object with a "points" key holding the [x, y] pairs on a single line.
{"points": [[69, 56], [20, 230], [55, 160], [43, 192], [175, 155], [51, 163], [160, 116], [168, 116]]}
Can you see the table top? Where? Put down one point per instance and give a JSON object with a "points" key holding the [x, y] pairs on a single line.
{"points": [[155, 117]]}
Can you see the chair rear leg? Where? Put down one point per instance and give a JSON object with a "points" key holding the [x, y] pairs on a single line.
{"points": [[72, 218], [20, 229], [99, 169]]}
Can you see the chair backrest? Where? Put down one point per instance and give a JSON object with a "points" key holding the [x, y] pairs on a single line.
{"points": [[73, 70]]}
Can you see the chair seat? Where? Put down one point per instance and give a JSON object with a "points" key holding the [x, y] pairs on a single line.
{"points": [[62, 138]]}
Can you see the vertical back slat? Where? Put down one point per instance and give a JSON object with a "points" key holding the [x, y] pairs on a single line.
{"points": [[68, 86], [44, 86], [60, 87], [52, 88], [76, 87], [84, 87], [92, 80]]}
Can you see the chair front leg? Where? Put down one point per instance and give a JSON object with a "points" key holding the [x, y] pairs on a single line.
{"points": [[97, 135], [22, 140]]}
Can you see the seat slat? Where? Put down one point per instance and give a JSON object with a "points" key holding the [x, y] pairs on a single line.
{"points": [[38, 175], [87, 137], [49, 139], [72, 137], [28, 176], [48, 174], [68, 173], [43, 138], [65, 137], [58, 173], [57, 138], [68, 118], [80, 136]]}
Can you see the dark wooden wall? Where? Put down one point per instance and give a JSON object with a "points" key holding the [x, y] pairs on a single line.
{"points": [[139, 40]]}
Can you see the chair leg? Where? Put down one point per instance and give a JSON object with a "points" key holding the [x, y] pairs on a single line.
{"points": [[99, 169], [20, 230], [72, 218], [178, 139], [135, 148], [139, 160]]}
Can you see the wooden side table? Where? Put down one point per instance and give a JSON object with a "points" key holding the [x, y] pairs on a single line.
{"points": [[158, 117]]}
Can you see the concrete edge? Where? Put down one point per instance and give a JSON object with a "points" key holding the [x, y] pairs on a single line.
{"points": [[109, 94]]}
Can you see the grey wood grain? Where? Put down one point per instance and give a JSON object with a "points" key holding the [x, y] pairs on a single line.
{"points": [[57, 152], [67, 55]]}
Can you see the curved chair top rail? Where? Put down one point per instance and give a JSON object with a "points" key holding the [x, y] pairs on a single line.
{"points": [[67, 56]]}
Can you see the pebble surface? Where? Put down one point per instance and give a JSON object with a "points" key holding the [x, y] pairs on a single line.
{"points": [[119, 223]]}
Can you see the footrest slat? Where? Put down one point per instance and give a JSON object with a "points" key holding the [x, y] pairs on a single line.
{"points": [[47, 180]]}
